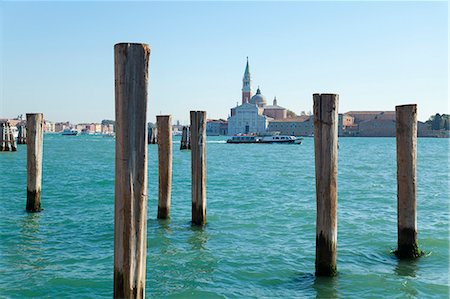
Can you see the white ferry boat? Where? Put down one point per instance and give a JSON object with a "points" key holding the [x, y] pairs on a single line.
{"points": [[264, 139], [280, 139], [244, 139]]}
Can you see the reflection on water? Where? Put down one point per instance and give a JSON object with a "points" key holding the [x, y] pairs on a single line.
{"points": [[198, 237], [163, 234], [30, 243], [325, 287], [203, 260], [407, 269]]}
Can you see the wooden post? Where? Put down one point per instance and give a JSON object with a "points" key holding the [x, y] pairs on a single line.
{"points": [[2, 136], [130, 208], [189, 138], [184, 139], [164, 125], [198, 163], [325, 149], [35, 126], [12, 140], [22, 135], [406, 121], [7, 133], [152, 135]]}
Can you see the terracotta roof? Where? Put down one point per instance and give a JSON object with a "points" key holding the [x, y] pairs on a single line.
{"points": [[370, 112]]}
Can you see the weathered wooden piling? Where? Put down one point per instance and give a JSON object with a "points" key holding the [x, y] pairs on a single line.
{"points": [[198, 163], [406, 133], [22, 138], [164, 125], [325, 149], [7, 138], [6, 143], [184, 138], [189, 138], [152, 136], [12, 140], [2, 136], [130, 209], [35, 128]]}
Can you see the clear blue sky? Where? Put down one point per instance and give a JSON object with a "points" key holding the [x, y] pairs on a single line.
{"points": [[57, 57]]}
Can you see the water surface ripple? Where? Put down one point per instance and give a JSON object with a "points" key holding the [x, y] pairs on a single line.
{"points": [[259, 241]]}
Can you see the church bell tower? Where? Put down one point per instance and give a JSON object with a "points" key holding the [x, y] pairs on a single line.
{"points": [[246, 85]]}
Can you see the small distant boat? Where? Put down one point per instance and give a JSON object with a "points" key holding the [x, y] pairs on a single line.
{"points": [[70, 132], [264, 139]]}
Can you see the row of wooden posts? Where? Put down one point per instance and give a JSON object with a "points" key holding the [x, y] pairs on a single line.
{"points": [[130, 213], [185, 136], [8, 142]]}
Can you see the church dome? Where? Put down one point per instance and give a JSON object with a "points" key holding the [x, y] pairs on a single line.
{"points": [[258, 99]]}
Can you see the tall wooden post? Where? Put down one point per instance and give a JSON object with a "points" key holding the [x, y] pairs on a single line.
{"points": [[325, 149], [184, 139], [164, 125], [130, 208], [198, 163], [35, 126], [406, 121]]}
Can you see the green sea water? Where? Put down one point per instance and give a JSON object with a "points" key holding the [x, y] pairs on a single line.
{"points": [[259, 241]]}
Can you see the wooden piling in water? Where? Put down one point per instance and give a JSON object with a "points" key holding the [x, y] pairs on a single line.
{"points": [[13, 141], [184, 139], [2, 136], [198, 164], [326, 149], [152, 136], [22, 138], [406, 139], [6, 143], [164, 125], [35, 128], [130, 207]]}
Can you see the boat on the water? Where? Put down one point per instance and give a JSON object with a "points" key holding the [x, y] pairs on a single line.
{"points": [[244, 139], [264, 139], [70, 132], [280, 139]]}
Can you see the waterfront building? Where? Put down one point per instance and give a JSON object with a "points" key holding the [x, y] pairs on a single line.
{"points": [[296, 126], [360, 116], [49, 126], [216, 127], [369, 124], [60, 126], [107, 128], [274, 111]]}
